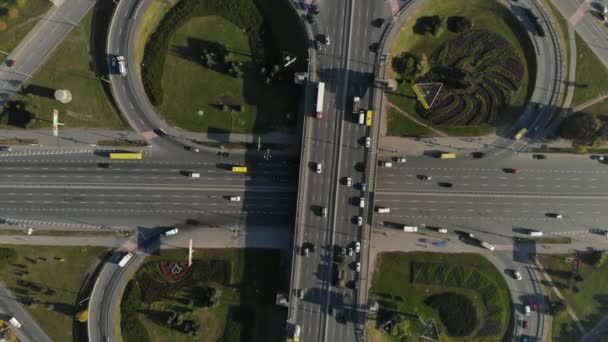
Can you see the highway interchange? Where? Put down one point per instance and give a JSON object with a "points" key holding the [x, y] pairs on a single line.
{"points": [[485, 198]]}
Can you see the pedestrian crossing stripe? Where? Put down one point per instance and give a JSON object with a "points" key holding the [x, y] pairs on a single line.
{"points": [[149, 135], [395, 7], [130, 246]]}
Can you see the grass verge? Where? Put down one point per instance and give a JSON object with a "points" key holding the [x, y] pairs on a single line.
{"points": [[239, 145], [402, 282], [585, 293], [16, 27], [600, 108], [572, 150], [69, 67], [17, 141], [47, 286], [122, 142], [591, 75], [246, 297], [402, 126], [79, 233]]}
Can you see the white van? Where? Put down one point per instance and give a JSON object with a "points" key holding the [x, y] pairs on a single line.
{"points": [[194, 175], [410, 229], [171, 232], [122, 66], [235, 198], [361, 117], [362, 202], [383, 210], [527, 310], [14, 322], [442, 230]]}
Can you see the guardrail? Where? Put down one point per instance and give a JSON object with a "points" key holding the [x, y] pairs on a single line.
{"points": [[302, 177]]}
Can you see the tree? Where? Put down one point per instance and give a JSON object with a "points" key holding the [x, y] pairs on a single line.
{"points": [[214, 299], [581, 128], [422, 66], [404, 63]]}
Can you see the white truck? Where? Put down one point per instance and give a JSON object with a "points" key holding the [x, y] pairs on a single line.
{"points": [[125, 259], [383, 210], [320, 94], [410, 229], [487, 245], [535, 233]]}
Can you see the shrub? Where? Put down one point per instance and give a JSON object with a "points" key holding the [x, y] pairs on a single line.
{"points": [[7, 256], [13, 12], [3, 25], [459, 24], [456, 312]]}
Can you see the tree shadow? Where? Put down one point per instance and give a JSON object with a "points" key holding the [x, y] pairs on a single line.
{"points": [[15, 114]]}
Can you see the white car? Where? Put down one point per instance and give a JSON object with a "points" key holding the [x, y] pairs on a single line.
{"points": [[358, 267], [368, 141], [517, 275], [359, 221], [401, 160], [319, 168], [235, 198], [326, 40], [350, 251], [349, 181], [362, 202], [386, 164], [357, 247], [559, 216]]}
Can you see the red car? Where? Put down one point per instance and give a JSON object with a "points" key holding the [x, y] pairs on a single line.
{"points": [[511, 170], [535, 307]]}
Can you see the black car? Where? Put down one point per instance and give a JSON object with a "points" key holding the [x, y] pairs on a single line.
{"points": [[539, 156], [310, 18], [445, 184], [314, 9], [379, 22], [104, 165], [340, 317], [478, 155]]}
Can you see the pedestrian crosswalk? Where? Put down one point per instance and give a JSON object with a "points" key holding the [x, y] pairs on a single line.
{"points": [[149, 135], [45, 152], [395, 6], [130, 246], [507, 247]]}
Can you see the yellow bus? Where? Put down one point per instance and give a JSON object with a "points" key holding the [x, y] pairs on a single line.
{"points": [[520, 133], [126, 155], [239, 169], [368, 118], [446, 155]]}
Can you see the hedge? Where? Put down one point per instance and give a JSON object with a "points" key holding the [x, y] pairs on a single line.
{"points": [[131, 327]]}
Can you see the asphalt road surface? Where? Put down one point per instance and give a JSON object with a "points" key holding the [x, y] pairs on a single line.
{"points": [[329, 313]]}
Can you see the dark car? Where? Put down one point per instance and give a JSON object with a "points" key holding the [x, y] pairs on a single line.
{"points": [[478, 155], [314, 9], [310, 18], [539, 156], [340, 317], [510, 170], [9, 62], [379, 22], [423, 177], [524, 324], [104, 165], [446, 185]]}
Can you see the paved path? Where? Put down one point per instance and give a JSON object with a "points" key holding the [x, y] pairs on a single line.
{"points": [[438, 132], [590, 103]]}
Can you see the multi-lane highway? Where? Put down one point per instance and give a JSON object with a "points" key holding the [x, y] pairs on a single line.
{"points": [[79, 190], [346, 65]]}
